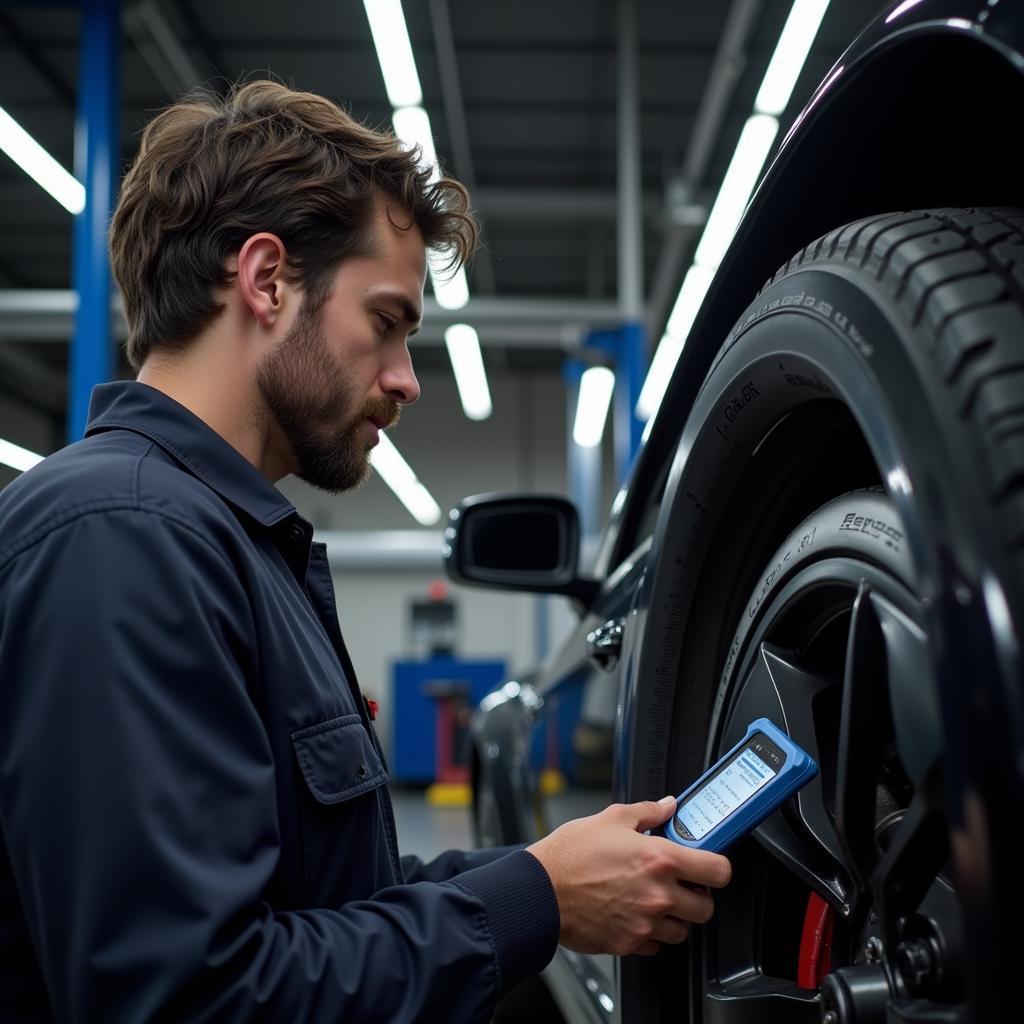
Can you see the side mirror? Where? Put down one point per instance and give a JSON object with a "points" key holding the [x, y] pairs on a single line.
{"points": [[516, 543]]}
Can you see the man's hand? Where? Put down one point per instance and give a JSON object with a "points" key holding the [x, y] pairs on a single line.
{"points": [[623, 892]]}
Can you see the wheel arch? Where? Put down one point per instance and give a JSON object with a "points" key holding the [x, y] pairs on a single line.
{"points": [[895, 130]]}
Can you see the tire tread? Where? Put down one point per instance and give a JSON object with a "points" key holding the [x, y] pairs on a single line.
{"points": [[957, 277]]}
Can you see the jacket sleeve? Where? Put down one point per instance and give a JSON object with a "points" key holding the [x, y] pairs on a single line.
{"points": [[451, 863], [138, 808]]}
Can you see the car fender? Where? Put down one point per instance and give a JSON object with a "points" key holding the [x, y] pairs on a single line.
{"points": [[889, 128]]}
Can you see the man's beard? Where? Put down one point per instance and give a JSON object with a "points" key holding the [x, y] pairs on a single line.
{"points": [[306, 390]]}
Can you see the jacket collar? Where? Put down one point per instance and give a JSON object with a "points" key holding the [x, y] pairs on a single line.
{"points": [[129, 405]]}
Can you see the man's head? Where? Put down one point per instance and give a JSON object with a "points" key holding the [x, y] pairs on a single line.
{"points": [[273, 181], [339, 374]]}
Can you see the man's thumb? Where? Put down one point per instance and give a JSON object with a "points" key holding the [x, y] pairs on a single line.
{"points": [[653, 812]]}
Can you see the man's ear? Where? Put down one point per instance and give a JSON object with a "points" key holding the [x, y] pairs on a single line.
{"points": [[261, 276]]}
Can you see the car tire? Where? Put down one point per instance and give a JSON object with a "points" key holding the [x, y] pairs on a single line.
{"points": [[885, 359]]}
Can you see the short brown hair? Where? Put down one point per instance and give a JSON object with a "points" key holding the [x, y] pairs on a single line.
{"points": [[213, 171]]}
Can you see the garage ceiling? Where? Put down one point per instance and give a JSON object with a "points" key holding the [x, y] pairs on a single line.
{"points": [[535, 132]]}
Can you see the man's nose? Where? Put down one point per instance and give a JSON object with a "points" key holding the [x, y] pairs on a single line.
{"points": [[399, 381]]}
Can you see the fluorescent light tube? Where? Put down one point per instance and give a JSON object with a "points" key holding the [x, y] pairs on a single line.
{"points": [[902, 9], [412, 126], [17, 457], [39, 165], [468, 366], [596, 387], [790, 53], [397, 474], [394, 52], [745, 168], [664, 362], [691, 295], [740, 179]]}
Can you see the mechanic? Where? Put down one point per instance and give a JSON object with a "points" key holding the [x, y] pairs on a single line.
{"points": [[196, 822]]}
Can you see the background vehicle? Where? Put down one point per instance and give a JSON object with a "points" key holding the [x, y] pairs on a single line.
{"points": [[825, 526]]}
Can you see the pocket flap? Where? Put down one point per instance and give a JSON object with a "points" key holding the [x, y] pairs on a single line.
{"points": [[337, 759]]}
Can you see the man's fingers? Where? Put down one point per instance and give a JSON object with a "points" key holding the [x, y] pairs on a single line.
{"points": [[702, 868], [650, 813], [671, 929], [694, 905]]}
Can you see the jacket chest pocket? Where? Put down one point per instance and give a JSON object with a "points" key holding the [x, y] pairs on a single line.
{"points": [[345, 852]]}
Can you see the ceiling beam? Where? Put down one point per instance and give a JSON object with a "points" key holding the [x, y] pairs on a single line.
{"points": [[210, 51], [160, 48], [458, 131], [44, 314], [630, 222], [567, 204]]}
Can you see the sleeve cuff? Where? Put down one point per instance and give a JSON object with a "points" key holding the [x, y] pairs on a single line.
{"points": [[522, 913]]}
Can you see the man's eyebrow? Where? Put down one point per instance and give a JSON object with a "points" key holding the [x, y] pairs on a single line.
{"points": [[411, 312]]}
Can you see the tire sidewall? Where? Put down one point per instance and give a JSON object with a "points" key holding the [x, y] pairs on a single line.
{"points": [[813, 334]]}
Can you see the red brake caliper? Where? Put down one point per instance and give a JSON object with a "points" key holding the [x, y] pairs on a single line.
{"points": [[815, 943]]}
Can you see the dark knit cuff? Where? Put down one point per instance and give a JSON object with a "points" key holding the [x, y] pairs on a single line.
{"points": [[522, 913]]}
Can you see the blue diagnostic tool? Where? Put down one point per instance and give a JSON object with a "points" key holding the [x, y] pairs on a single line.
{"points": [[738, 792]]}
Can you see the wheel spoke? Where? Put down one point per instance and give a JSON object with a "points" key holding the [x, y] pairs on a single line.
{"points": [[912, 697], [800, 695], [795, 693], [864, 686], [756, 999], [807, 860], [915, 855]]}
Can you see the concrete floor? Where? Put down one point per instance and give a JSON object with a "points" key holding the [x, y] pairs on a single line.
{"points": [[427, 831]]}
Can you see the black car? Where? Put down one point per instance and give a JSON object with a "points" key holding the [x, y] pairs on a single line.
{"points": [[825, 526]]}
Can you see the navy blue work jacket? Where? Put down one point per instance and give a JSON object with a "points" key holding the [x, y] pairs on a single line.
{"points": [[195, 817]]}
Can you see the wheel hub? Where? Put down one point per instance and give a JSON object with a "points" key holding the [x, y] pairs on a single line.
{"points": [[917, 970], [855, 995]]}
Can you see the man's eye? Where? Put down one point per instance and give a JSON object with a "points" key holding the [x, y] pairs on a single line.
{"points": [[386, 323]]}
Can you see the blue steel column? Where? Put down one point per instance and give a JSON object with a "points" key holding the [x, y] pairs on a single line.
{"points": [[626, 347], [630, 369], [96, 165]]}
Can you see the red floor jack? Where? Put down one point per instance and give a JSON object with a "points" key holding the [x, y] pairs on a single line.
{"points": [[451, 786]]}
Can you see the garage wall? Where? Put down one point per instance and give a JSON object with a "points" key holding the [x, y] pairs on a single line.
{"points": [[374, 614]]}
